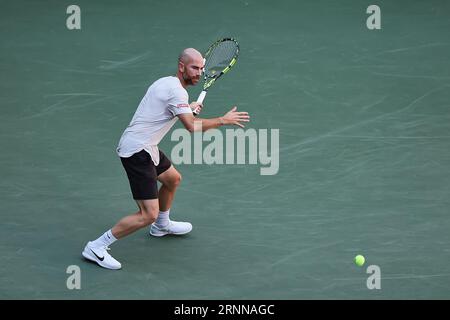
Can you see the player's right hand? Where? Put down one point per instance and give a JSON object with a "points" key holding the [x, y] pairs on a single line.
{"points": [[196, 107]]}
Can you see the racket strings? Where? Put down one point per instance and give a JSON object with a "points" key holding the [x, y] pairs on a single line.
{"points": [[220, 57]]}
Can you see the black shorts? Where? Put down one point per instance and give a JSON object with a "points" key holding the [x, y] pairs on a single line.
{"points": [[142, 174]]}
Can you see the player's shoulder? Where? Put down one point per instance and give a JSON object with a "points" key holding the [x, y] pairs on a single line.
{"points": [[169, 86], [169, 82]]}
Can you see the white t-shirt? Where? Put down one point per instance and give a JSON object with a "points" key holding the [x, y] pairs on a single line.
{"points": [[156, 114]]}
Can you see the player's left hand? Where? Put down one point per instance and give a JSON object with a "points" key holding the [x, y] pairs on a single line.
{"points": [[196, 107]]}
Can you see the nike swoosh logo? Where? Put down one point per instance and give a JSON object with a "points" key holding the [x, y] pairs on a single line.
{"points": [[101, 259]]}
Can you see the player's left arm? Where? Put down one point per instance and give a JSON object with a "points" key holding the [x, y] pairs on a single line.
{"points": [[232, 117]]}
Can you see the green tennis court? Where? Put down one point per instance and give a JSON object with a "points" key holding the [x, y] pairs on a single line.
{"points": [[364, 150]]}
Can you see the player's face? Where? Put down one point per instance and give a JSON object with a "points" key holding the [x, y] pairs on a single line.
{"points": [[193, 71]]}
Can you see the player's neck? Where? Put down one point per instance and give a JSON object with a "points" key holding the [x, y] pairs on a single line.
{"points": [[180, 77]]}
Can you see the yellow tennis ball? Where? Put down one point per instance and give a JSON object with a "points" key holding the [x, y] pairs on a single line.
{"points": [[359, 260]]}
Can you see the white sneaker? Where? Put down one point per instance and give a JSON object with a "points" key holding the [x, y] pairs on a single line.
{"points": [[101, 257], [174, 227]]}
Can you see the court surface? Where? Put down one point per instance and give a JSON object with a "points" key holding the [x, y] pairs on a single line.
{"points": [[363, 117]]}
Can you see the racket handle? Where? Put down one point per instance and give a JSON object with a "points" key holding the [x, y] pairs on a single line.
{"points": [[200, 99]]}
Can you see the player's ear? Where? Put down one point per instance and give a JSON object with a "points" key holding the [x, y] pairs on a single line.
{"points": [[181, 66]]}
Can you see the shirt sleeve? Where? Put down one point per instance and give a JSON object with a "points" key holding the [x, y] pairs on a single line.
{"points": [[178, 101]]}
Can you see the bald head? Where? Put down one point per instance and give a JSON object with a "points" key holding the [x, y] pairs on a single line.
{"points": [[190, 66], [188, 55]]}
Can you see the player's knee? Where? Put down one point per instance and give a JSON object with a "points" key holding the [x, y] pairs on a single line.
{"points": [[176, 180], [147, 220], [148, 217]]}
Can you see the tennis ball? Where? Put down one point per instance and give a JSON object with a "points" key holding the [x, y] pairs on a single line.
{"points": [[359, 260]]}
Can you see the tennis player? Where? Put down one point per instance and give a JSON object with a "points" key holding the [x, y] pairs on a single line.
{"points": [[166, 100]]}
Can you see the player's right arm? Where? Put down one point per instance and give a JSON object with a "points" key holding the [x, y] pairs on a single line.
{"points": [[232, 117]]}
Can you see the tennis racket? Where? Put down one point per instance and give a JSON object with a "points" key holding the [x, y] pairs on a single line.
{"points": [[219, 59]]}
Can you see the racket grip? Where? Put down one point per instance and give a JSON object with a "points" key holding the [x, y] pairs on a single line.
{"points": [[200, 99]]}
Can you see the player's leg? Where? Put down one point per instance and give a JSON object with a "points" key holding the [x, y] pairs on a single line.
{"points": [[147, 214], [142, 175], [170, 179], [97, 250]]}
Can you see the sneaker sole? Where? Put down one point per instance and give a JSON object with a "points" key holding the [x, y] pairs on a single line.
{"points": [[89, 257], [167, 233]]}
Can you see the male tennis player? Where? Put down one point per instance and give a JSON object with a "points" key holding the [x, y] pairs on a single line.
{"points": [[166, 100]]}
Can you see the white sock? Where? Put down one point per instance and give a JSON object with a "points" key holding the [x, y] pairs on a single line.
{"points": [[105, 240], [163, 219]]}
